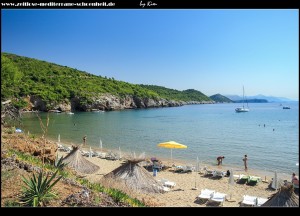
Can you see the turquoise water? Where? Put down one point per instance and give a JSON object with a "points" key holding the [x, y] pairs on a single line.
{"points": [[209, 130]]}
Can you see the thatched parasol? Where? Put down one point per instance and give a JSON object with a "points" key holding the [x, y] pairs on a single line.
{"points": [[285, 197], [131, 175], [79, 163]]}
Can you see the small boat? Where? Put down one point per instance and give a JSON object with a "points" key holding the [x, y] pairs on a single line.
{"points": [[70, 113], [286, 107], [55, 111], [97, 110], [242, 109]]}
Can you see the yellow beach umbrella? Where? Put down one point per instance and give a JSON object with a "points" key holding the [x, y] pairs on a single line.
{"points": [[171, 145]]}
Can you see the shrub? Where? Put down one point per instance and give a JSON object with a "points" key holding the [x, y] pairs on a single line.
{"points": [[11, 130], [11, 203], [37, 190], [59, 164]]}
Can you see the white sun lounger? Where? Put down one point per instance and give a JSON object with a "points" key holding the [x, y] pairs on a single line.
{"points": [[168, 183], [69, 149], [218, 174], [206, 194], [101, 154], [238, 176], [166, 189], [260, 201], [249, 200], [84, 153], [218, 197]]}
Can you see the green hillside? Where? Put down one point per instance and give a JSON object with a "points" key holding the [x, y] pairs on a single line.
{"points": [[220, 98], [23, 76], [186, 95]]}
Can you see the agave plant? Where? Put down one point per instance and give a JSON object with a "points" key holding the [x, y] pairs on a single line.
{"points": [[37, 190], [59, 164]]}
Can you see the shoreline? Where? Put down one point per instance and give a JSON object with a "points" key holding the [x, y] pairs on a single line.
{"points": [[264, 174], [261, 160], [188, 185]]}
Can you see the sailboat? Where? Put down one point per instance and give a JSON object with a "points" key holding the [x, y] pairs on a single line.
{"points": [[242, 109]]}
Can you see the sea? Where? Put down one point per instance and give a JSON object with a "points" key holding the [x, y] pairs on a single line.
{"points": [[268, 134]]}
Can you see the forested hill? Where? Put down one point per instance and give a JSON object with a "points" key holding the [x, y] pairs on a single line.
{"points": [[186, 95], [41, 85], [220, 98]]}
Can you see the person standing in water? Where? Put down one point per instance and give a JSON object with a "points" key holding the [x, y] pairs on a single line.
{"points": [[220, 159], [84, 140], [245, 159]]}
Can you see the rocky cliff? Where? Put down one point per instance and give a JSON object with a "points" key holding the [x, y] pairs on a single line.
{"points": [[107, 102]]}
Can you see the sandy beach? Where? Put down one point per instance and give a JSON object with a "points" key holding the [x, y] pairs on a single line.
{"points": [[189, 185]]}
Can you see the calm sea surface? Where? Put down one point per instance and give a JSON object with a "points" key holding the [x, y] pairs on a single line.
{"points": [[208, 130]]}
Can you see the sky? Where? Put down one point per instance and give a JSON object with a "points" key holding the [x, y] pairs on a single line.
{"points": [[212, 51]]}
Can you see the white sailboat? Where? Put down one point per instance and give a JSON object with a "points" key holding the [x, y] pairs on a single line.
{"points": [[242, 109]]}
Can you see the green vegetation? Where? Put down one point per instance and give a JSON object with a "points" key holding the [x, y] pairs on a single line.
{"points": [[59, 164], [117, 195], [11, 77], [11, 130], [11, 203], [55, 83], [186, 95], [37, 162], [22, 76], [220, 98], [37, 190], [6, 175]]}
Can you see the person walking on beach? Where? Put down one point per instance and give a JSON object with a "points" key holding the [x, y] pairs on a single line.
{"points": [[84, 140], [156, 167], [220, 159], [245, 162]]}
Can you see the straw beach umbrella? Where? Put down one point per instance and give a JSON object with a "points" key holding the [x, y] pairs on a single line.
{"points": [[79, 163], [131, 175], [285, 197]]}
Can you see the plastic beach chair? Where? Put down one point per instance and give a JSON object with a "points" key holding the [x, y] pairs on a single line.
{"points": [[249, 200], [260, 201], [168, 183], [206, 194], [218, 197]]}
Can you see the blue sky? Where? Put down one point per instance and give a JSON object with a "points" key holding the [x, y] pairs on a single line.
{"points": [[213, 51]]}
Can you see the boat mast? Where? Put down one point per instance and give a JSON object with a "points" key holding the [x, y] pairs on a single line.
{"points": [[243, 97]]}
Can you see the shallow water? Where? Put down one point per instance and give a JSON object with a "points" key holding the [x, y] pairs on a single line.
{"points": [[209, 130]]}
